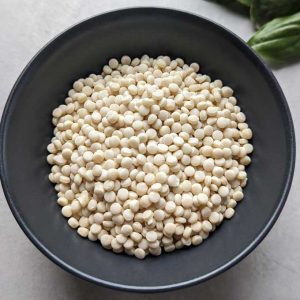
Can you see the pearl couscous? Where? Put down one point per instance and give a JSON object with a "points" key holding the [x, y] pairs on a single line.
{"points": [[149, 155]]}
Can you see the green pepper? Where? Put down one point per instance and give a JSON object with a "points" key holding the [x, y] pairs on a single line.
{"points": [[262, 11], [229, 2], [278, 41], [245, 2]]}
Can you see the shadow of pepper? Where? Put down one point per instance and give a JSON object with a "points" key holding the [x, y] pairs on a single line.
{"points": [[233, 6]]}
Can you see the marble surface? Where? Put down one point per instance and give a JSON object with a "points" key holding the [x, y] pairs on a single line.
{"points": [[270, 272]]}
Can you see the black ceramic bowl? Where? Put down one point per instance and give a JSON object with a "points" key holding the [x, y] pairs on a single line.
{"points": [[26, 130]]}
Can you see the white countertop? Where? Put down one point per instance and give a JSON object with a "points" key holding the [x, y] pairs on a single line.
{"points": [[272, 271]]}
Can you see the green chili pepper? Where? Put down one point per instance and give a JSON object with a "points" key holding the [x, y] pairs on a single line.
{"points": [[262, 11], [245, 2], [229, 2], [278, 41]]}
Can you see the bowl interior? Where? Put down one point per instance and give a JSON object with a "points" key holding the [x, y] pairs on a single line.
{"points": [[26, 131]]}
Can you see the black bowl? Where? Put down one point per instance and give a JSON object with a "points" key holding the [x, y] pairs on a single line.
{"points": [[26, 130]]}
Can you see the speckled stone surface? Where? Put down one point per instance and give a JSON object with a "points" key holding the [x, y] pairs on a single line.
{"points": [[272, 271]]}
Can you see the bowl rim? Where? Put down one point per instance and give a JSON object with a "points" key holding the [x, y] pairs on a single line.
{"points": [[159, 288]]}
